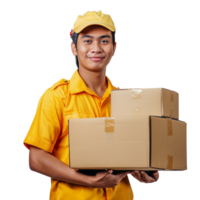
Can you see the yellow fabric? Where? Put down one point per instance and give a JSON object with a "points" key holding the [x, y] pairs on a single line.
{"points": [[49, 131], [93, 18]]}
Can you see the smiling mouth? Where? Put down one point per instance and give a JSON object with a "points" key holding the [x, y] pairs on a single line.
{"points": [[96, 58]]}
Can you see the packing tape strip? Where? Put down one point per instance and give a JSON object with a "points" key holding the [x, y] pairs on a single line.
{"points": [[136, 94], [169, 162], [169, 127], [109, 125]]}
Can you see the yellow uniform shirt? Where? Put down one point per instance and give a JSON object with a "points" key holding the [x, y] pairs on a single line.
{"points": [[49, 131]]}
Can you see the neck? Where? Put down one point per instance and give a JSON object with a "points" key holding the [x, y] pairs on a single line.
{"points": [[96, 81]]}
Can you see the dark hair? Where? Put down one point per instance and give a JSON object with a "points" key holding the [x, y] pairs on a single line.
{"points": [[74, 37]]}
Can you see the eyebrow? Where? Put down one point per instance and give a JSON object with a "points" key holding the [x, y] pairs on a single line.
{"points": [[103, 36]]}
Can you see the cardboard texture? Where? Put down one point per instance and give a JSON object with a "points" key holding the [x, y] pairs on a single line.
{"points": [[155, 101], [127, 143]]}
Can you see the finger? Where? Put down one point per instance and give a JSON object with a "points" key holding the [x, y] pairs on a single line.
{"points": [[100, 175], [144, 176], [110, 171], [129, 172], [124, 174], [138, 175], [156, 175], [134, 174]]}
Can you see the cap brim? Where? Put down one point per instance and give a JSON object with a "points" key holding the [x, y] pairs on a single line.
{"points": [[80, 28]]}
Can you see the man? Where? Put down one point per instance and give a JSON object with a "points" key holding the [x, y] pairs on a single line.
{"points": [[86, 94]]}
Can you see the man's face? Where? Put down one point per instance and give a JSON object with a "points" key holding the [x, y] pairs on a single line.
{"points": [[94, 48]]}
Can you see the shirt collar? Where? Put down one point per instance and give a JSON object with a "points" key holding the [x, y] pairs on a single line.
{"points": [[78, 85]]}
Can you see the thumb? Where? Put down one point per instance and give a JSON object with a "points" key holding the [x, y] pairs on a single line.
{"points": [[125, 174], [101, 174], [122, 175]]}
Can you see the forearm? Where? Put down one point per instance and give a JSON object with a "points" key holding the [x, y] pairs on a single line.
{"points": [[47, 164]]}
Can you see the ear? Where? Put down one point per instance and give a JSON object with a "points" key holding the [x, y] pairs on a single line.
{"points": [[73, 49], [115, 48]]}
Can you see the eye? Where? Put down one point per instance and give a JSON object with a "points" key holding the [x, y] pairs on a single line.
{"points": [[87, 41], [104, 41]]}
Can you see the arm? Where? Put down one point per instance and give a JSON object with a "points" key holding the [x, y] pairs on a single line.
{"points": [[47, 164]]}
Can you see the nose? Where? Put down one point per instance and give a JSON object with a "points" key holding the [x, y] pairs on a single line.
{"points": [[96, 48]]}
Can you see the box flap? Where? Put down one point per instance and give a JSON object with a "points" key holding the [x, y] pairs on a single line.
{"points": [[168, 144]]}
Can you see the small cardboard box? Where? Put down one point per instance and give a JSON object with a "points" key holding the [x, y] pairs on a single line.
{"points": [[127, 143], [155, 101]]}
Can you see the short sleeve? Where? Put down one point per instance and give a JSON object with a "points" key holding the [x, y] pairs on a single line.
{"points": [[46, 126]]}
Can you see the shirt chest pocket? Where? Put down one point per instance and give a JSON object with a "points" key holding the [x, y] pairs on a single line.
{"points": [[71, 115]]}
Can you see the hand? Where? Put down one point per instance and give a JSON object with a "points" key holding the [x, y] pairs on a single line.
{"points": [[107, 179], [143, 177]]}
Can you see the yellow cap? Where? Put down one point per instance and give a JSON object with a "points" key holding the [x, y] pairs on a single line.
{"points": [[93, 18]]}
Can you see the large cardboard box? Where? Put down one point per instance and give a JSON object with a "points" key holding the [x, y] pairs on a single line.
{"points": [[127, 143], [155, 101]]}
